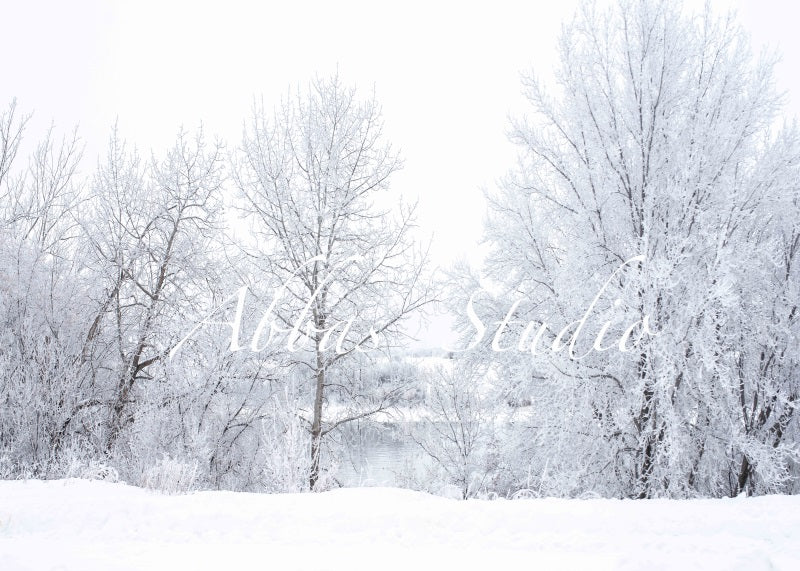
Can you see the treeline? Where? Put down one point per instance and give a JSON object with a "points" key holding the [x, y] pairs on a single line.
{"points": [[656, 193]]}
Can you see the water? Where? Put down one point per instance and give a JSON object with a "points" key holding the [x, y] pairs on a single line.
{"points": [[379, 454]]}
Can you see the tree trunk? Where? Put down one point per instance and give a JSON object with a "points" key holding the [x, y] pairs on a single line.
{"points": [[316, 426], [744, 475]]}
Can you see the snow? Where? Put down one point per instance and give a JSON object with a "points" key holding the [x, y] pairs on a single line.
{"points": [[87, 525]]}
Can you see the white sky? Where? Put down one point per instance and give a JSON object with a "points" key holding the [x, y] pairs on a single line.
{"points": [[447, 76]]}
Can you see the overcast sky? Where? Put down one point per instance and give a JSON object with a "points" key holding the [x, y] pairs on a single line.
{"points": [[447, 76]]}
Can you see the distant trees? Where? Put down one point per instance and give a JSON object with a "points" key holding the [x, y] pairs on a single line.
{"points": [[660, 140], [311, 176]]}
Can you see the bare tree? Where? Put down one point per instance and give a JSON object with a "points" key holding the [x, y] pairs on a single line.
{"points": [[310, 177], [458, 429], [43, 298], [12, 127], [149, 236]]}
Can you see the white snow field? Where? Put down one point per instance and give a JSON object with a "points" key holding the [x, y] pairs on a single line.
{"points": [[92, 525]]}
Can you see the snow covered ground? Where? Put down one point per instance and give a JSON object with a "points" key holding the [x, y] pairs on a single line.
{"points": [[91, 525]]}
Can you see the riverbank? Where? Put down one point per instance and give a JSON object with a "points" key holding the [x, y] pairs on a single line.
{"points": [[88, 525]]}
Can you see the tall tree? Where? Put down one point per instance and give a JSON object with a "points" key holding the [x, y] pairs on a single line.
{"points": [[658, 141], [310, 177]]}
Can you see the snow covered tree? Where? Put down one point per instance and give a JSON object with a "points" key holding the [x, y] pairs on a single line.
{"points": [[310, 178], [660, 141], [148, 242], [43, 300], [457, 432]]}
